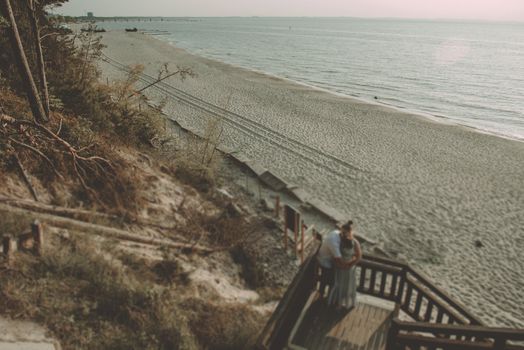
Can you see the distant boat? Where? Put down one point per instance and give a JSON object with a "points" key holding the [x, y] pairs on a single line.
{"points": [[131, 30]]}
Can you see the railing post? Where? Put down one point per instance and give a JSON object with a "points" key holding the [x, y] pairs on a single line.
{"points": [[285, 232], [401, 287], [38, 236], [8, 248], [303, 230], [499, 344], [391, 340], [296, 232]]}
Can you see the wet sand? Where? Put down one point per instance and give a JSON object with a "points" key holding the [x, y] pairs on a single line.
{"points": [[427, 190]]}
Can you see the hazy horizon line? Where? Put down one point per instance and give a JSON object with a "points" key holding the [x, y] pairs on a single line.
{"points": [[443, 19]]}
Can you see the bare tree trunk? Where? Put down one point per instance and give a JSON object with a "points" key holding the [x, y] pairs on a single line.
{"points": [[23, 65], [86, 58], [44, 92]]}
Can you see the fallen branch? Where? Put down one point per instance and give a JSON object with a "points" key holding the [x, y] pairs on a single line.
{"points": [[83, 227], [31, 148], [184, 71], [76, 158], [60, 126], [148, 223], [78, 214], [48, 34], [70, 149], [25, 176], [75, 213]]}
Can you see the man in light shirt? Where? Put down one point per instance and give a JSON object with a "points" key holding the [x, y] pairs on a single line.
{"points": [[329, 256]]}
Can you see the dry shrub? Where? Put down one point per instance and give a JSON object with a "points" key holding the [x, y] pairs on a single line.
{"points": [[198, 177], [198, 161], [89, 302], [272, 293], [13, 223], [227, 228], [252, 271], [228, 232], [231, 230], [165, 272], [225, 326]]}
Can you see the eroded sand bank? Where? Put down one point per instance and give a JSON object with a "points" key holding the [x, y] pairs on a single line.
{"points": [[427, 190]]}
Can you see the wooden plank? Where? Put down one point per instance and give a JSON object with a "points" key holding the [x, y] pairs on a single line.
{"points": [[350, 324], [361, 328], [273, 181], [337, 328], [374, 343]]}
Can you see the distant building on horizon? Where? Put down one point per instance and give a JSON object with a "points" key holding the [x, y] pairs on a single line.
{"points": [[90, 15]]}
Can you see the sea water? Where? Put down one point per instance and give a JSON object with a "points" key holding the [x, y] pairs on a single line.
{"points": [[469, 73]]}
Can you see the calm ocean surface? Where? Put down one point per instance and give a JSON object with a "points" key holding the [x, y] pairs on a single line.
{"points": [[471, 73]]}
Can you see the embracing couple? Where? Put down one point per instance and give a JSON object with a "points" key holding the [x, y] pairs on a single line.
{"points": [[338, 256]]}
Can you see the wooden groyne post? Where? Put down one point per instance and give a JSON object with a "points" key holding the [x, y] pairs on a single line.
{"points": [[37, 232], [8, 248]]}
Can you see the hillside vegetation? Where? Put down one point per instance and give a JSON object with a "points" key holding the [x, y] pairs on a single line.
{"points": [[130, 219]]}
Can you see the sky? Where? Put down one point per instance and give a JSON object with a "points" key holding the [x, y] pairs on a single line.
{"points": [[496, 10]]}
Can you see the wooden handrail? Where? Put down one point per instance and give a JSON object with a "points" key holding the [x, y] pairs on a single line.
{"points": [[443, 307], [458, 312], [279, 325], [385, 261], [467, 337], [380, 266], [416, 342], [441, 294], [463, 330]]}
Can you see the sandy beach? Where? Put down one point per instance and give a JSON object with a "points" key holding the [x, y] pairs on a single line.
{"points": [[427, 190]]}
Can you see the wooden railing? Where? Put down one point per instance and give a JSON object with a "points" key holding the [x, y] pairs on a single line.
{"points": [[423, 335], [440, 322], [413, 292], [277, 330]]}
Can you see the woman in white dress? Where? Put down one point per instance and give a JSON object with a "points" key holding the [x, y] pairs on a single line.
{"points": [[344, 291]]}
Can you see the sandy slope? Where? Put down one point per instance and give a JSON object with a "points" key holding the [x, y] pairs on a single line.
{"points": [[427, 190]]}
